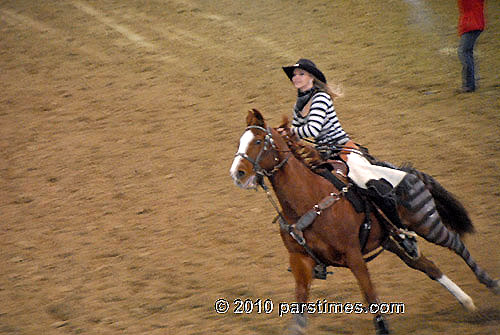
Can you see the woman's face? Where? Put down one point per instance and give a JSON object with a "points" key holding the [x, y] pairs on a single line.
{"points": [[302, 80]]}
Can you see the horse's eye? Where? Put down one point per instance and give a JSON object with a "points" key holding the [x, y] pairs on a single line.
{"points": [[258, 142]]}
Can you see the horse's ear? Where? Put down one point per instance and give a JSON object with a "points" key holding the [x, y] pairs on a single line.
{"points": [[255, 118], [250, 118]]}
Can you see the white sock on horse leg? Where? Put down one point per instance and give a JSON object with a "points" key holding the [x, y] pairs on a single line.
{"points": [[462, 297]]}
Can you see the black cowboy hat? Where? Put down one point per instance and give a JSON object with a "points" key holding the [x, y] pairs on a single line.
{"points": [[307, 65]]}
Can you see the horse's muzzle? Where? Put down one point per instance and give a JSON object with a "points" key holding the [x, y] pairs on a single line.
{"points": [[241, 180]]}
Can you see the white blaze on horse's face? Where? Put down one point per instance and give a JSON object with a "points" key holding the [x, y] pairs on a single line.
{"points": [[237, 171]]}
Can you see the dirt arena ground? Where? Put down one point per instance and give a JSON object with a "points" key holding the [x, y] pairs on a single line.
{"points": [[118, 124]]}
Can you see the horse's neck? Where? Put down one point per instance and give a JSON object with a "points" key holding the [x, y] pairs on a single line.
{"points": [[298, 188]]}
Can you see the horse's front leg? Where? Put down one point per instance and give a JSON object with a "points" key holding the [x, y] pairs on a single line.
{"points": [[358, 267], [302, 269]]}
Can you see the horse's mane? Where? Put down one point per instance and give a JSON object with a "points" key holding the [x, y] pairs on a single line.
{"points": [[307, 154]]}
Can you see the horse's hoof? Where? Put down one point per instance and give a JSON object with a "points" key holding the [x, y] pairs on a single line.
{"points": [[296, 329], [469, 305], [496, 287], [381, 325], [298, 325]]}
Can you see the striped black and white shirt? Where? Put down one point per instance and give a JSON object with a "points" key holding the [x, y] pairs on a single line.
{"points": [[321, 122]]}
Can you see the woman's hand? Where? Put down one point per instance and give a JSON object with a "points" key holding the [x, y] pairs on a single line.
{"points": [[287, 134], [283, 131]]}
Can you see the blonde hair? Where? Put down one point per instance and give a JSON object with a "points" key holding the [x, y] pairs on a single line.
{"points": [[336, 92]]}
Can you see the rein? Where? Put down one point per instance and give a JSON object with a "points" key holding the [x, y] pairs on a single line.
{"points": [[335, 148]]}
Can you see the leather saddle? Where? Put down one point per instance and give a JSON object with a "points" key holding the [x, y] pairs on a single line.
{"points": [[337, 166]]}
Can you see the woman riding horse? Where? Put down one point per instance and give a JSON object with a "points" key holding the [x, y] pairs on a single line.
{"points": [[314, 116]]}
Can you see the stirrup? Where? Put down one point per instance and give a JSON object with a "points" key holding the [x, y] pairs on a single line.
{"points": [[408, 241], [319, 271]]}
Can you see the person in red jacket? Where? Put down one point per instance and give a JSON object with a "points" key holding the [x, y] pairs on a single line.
{"points": [[470, 25]]}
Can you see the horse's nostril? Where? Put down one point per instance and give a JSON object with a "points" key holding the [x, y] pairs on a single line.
{"points": [[241, 173]]}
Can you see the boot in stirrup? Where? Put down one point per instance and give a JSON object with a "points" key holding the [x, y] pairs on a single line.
{"points": [[383, 196]]}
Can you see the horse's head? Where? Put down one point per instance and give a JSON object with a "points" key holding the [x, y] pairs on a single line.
{"points": [[257, 153]]}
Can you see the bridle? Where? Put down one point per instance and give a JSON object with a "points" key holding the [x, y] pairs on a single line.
{"points": [[268, 144]]}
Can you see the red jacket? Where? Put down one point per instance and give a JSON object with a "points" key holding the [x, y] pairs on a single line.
{"points": [[471, 15]]}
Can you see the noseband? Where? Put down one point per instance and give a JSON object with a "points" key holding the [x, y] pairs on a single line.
{"points": [[268, 143]]}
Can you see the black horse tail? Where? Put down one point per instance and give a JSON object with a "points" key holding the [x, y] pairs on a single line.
{"points": [[452, 212]]}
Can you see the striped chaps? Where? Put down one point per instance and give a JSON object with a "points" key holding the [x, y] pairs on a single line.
{"points": [[423, 218]]}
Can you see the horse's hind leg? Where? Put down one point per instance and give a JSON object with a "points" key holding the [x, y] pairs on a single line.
{"points": [[358, 267], [423, 218], [429, 268]]}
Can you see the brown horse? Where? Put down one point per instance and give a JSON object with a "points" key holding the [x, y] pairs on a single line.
{"points": [[333, 237]]}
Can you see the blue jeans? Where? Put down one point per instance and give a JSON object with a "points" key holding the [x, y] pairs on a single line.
{"points": [[466, 56]]}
